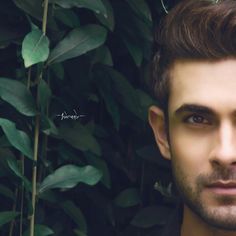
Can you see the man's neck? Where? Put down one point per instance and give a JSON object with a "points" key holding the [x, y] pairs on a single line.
{"points": [[195, 226]]}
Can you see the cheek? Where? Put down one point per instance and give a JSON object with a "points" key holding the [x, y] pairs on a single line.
{"points": [[190, 150]]}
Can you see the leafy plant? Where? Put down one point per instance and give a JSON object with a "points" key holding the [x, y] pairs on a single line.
{"points": [[77, 154]]}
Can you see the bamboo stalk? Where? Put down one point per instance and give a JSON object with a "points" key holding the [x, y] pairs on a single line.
{"points": [[36, 139]]}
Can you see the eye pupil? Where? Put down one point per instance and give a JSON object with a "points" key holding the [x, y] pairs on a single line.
{"points": [[198, 119]]}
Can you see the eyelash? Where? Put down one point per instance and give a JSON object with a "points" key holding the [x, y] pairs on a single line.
{"points": [[204, 121]]}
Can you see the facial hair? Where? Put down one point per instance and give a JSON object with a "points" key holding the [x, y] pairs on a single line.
{"points": [[223, 216]]}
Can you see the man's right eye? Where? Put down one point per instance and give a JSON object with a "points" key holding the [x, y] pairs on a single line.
{"points": [[197, 120]]}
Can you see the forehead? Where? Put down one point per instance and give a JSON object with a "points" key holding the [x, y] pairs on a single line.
{"points": [[211, 84]]}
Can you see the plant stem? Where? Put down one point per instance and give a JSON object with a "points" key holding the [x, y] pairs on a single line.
{"points": [[45, 15], [34, 176], [36, 138], [22, 194], [13, 209]]}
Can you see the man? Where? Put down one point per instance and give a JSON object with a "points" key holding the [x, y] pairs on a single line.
{"points": [[194, 78]]}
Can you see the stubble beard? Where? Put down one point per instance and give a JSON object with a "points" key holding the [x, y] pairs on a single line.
{"points": [[221, 217]]}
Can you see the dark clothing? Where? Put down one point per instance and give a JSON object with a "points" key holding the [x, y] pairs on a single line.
{"points": [[173, 225]]}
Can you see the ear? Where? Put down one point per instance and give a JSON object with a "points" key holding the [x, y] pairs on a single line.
{"points": [[157, 122]]}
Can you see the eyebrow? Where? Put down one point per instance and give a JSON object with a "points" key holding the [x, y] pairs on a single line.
{"points": [[195, 109]]}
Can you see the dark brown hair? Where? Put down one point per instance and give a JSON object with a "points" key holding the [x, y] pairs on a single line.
{"points": [[195, 30]]}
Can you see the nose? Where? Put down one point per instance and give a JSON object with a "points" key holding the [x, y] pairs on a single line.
{"points": [[224, 152]]}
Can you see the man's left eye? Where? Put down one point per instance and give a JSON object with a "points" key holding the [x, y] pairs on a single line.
{"points": [[197, 119]]}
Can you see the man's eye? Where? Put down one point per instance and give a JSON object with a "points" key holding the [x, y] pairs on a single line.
{"points": [[197, 119]]}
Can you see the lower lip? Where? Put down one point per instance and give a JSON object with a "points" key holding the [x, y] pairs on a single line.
{"points": [[223, 191]]}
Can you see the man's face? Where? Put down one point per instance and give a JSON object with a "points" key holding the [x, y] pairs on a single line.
{"points": [[202, 138]]}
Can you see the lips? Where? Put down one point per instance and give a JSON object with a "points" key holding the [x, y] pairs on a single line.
{"points": [[223, 184], [223, 187]]}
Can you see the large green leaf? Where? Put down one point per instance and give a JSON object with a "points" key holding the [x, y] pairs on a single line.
{"points": [[80, 137], [75, 214], [78, 42], [94, 5], [35, 48], [107, 20], [69, 176], [16, 93], [128, 198], [40, 230], [18, 139], [7, 216]]}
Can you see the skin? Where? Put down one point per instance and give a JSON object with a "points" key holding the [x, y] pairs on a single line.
{"points": [[201, 143]]}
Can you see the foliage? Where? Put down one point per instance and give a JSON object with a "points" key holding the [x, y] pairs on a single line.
{"points": [[77, 156]]}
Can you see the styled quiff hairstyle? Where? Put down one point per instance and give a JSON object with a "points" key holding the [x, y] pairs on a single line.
{"points": [[193, 30]]}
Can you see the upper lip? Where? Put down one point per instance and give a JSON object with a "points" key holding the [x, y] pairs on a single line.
{"points": [[223, 184]]}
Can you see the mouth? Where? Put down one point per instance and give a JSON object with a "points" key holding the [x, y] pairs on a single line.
{"points": [[223, 187]]}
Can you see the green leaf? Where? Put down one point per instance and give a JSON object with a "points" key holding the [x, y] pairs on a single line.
{"points": [[111, 105], [79, 232], [58, 70], [34, 8], [69, 176], [16, 93], [151, 216], [40, 230], [5, 191], [134, 49], [7, 216], [75, 214], [48, 127], [141, 9], [145, 102], [17, 138], [80, 137], [107, 20], [128, 198], [102, 55], [101, 165], [14, 167], [35, 48], [78, 42], [44, 95], [94, 5], [126, 94], [67, 17], [6, 155], [31, 7]]}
